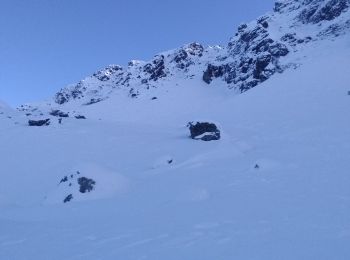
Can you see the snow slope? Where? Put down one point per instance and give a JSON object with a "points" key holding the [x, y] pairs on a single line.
{"points": [[276, 186], [211, 202], [9, 117]]}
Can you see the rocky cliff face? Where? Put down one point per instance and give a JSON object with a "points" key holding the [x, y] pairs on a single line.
{"points": [[257, 51], [253, 56], [313, 11]]}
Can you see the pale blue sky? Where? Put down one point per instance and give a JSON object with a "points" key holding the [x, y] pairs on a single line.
{"points": [[47, 44]]}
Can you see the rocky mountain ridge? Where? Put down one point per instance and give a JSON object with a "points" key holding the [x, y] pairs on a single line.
{"points": [[256, 52]]}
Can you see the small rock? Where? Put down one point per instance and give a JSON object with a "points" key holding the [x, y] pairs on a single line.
{"points": [[80, 117], [64, 179], [68, 198]]}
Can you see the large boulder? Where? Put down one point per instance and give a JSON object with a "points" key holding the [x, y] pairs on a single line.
{"points": [[204, 131]]}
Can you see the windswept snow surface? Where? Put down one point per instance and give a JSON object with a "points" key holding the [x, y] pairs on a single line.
{"points": [[276, 186]]}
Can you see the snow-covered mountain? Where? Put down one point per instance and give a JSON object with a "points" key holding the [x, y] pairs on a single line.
{"points": [[111, 173], [271, 44]]}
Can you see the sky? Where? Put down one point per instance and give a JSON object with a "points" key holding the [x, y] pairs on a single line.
{"points": [[48, 44]]}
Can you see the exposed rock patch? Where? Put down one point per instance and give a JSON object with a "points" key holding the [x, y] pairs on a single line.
{"points": [[44, 122], [59, 113], [86, 184], [204, 131]]}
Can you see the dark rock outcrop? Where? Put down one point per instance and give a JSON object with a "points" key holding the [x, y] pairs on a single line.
{"points": [[64, 179], [212, 72], [255, 57], [293, 40], [183, 57], [317, 11], [68, 198], [80, 117], [156, 69], [86, 184], [105, 74], [68, 94], [93, 101], [335, 30], [204, 131], [59, 113], [44, 122]]}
